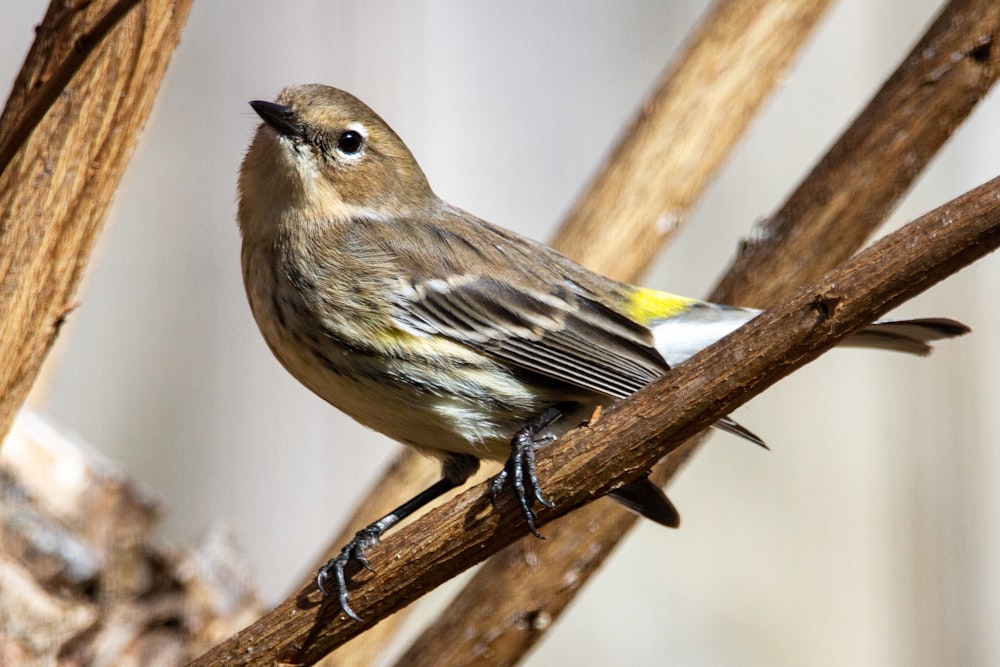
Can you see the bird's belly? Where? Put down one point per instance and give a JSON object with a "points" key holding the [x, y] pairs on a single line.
{"points": [[431, 393], [458, 406]]}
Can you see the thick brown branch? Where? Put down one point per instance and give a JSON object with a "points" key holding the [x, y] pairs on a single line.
{"points": [[582, 541], [29, 112], [56, 188], [631, 437]]}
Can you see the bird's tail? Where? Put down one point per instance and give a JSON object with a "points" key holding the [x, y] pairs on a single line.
{"points": [[910, 336], [700, 324]]}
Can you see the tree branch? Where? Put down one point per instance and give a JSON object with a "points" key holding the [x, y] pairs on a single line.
{"points": [[684, 131], [46, 85], [933, 95], [870, 168], [55, 190], [633, 435]]}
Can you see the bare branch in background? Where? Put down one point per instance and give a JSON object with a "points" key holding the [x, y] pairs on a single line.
{"points": [[68, 146]]}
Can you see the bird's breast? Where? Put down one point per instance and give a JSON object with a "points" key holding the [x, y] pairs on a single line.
{"points": [[420, 389]]}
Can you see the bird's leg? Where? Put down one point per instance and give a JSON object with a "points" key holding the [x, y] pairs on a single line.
{"points": [[520, 467], [456, 469]]}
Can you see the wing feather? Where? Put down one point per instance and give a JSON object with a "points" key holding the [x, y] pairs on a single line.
{"points": [[560, 333]]}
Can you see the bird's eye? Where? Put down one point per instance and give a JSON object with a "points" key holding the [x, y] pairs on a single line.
{"points": [[349, 142]]}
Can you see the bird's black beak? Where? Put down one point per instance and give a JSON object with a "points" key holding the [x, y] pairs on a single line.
{"points": [[278, 116]]}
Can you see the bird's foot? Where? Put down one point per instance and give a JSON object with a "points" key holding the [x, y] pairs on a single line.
{"points": [[520, 466], [334, 568]]}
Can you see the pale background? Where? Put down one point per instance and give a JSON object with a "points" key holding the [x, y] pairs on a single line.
{"points": [[868, 535]]}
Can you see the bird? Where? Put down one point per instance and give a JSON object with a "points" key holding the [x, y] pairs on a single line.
{"points": [[446, 333]]}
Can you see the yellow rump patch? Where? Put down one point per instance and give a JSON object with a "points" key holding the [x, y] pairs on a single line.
{"points": [[648, 305]]}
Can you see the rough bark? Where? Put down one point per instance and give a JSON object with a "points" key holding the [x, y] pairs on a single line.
{"points": [[67, 132]]}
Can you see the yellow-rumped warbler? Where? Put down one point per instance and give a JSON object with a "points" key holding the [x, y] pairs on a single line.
{"points": [[438, 329]]}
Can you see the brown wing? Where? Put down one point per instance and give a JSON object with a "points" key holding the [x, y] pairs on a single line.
{"points": [[559, 332]]}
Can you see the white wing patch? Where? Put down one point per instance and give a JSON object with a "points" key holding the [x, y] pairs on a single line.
{"points": [[679, 338]]}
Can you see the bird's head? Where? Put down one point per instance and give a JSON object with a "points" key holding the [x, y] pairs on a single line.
{"points": [[323, 154]]}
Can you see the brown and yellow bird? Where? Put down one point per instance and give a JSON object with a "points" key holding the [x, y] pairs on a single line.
{"points": [[442, 331]]}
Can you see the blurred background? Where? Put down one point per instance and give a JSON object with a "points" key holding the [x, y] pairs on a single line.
{"points": [[869, 534]]}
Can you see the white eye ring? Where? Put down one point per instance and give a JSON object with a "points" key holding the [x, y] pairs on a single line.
{"points": [[351, 142]]}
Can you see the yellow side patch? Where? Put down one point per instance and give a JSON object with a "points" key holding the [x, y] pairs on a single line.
{"points": [[648, 305], [398, 340]]}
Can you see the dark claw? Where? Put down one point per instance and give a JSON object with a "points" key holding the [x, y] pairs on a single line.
{"points": [[496, 486], [353, 550], [456, 469], [520, 468]]}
